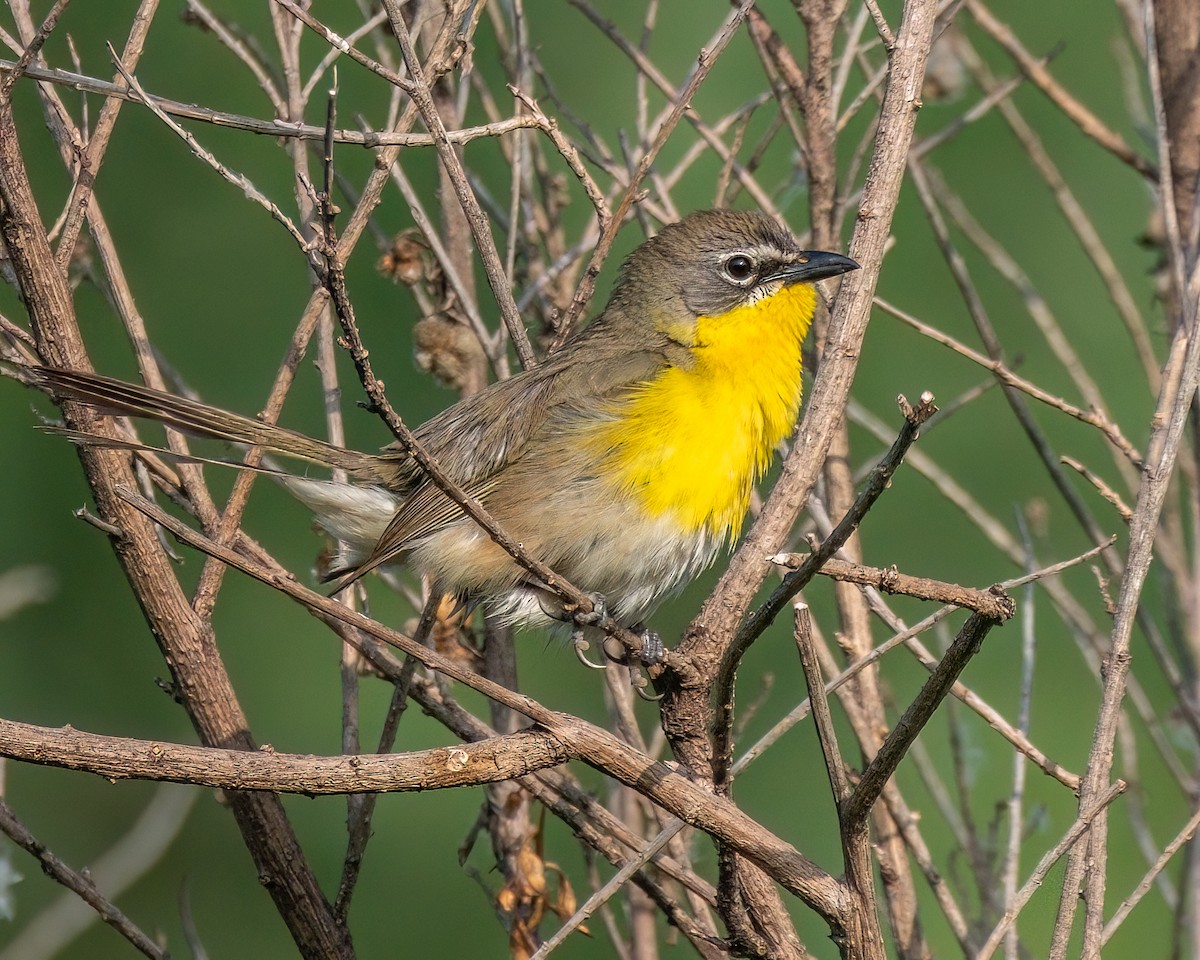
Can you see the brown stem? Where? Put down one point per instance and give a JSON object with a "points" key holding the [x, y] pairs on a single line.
{"points": [[80, 883], [657, 781], [187, 642], [119, 758], [955, 660], [685, 709]]}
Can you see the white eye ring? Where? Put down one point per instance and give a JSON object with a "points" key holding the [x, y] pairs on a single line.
{"points": [[739, 268]]}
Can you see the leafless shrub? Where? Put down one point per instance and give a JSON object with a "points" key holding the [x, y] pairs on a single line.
{"points": [[501, 266]]}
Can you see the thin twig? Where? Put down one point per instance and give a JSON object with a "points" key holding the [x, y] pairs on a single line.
{"points": [[57, 870], [1143, 887], [237, 179], [1108, 493], [605, 893], [826, 733], [569, 153], [1051, 857], [885, 32], [680, 102], [883, 765], [1016, 800], [1091, 125], [284, 129], [874, 486], [359, 818], [1010, 379], [33, 48], [485, 244], [93, 156], [1181, 373], [130, 858]]}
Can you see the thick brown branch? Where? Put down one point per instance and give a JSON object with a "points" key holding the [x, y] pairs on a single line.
{"points": [[685, 711], [596, 747], [187, 642], [121, 758]]}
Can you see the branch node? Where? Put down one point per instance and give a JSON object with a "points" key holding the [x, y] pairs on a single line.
{"points": [[84, 514]]}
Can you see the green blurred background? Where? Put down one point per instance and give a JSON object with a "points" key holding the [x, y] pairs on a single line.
{"points": [[220, 286]]}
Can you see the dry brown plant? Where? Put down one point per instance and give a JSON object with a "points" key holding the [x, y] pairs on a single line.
{"points": [[500, 280]]}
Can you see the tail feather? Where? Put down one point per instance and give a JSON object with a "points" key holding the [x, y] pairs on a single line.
{"points": [[84, 439], [127, 399]]}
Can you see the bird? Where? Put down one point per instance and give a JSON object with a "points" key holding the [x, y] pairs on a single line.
{"points": [[625, 460]]}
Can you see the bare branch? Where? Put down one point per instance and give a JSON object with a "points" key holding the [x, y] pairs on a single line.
{"points": [[268, 128], [120, 758], [1033, 884], [16, 831], [965, 646], [1088, 122]]}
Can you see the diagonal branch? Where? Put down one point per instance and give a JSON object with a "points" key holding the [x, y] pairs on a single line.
{"points": [[283, 129], [79, 882], [710, 633], [596, 747], [1090, 124], [965, 646], [877, 482]]}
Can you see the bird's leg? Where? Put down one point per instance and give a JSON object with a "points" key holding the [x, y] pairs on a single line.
{"points": [[579, 620], [592, 617], [652, 645]]}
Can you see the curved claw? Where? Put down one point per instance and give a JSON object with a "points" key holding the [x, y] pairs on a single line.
{"points": [[558, 616], [581, 647], [639, 687]]}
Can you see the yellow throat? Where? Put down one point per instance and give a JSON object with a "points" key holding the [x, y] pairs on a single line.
{"points": [[691, 443]]}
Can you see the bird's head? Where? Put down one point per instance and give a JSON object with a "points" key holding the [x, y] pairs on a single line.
{"points": [[713, 262]]}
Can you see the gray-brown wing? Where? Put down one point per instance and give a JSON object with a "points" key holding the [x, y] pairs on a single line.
{"points": [[483, 433], [478, 439]]}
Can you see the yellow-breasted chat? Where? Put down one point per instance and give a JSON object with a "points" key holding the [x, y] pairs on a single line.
{"points": [[625, 461]]}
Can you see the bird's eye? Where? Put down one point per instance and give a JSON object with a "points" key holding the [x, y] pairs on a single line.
{"points": [[739, 268]]}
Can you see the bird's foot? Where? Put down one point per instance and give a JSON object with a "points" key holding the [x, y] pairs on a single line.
{"points": [[652, 645], [594, 616], [651, 656], [582, 646], [580, 620]]}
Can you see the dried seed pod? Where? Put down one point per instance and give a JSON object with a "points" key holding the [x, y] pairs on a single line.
{"points": [[450, 351], [408, 260]]}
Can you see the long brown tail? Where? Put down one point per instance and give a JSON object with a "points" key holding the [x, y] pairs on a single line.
{"points": [[127, 399]]}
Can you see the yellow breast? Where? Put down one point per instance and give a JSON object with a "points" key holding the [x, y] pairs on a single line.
{"points": [[691, 443]]}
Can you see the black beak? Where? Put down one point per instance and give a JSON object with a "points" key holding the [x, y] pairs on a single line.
{"points": [[813, 265]]}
